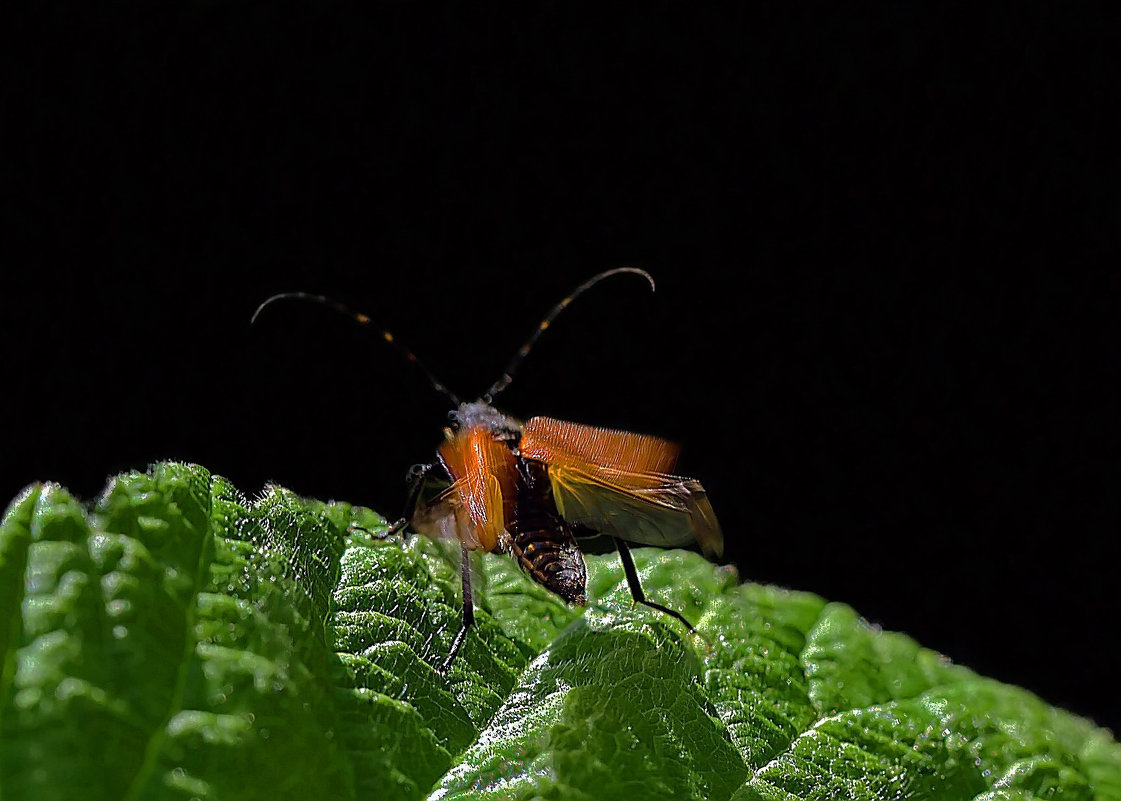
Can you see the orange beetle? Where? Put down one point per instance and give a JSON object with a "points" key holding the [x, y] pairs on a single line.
{"points": [[537, 490]]}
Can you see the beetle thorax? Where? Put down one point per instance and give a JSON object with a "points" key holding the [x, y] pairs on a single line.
{"points": [[479, 414]]}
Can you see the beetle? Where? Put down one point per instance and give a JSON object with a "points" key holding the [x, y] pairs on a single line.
{"points": [[545, 490]]}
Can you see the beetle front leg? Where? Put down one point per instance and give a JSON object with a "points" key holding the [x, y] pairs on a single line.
{"points": [[416, 478]]}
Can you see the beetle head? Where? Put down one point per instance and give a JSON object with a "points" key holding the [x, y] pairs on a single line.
{"points": [[480, 414]]}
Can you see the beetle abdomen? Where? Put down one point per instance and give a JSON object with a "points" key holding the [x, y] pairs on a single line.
{"points": [[541, 540]]}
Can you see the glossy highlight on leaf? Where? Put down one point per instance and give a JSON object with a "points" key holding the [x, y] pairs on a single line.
{"points": [[175, 639]]}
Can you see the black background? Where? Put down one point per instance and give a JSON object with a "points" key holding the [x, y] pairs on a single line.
{"points": [[885, 246]]}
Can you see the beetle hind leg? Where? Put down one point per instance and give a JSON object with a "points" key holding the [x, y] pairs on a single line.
{"points": [[637, 594]]}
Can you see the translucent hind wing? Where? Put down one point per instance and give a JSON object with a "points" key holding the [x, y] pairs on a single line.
{"points": [[619, 483]]}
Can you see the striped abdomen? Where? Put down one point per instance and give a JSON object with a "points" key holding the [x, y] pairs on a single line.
{"points": [[541, 540]]}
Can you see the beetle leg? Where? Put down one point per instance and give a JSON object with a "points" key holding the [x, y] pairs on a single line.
{"points": [[468, 610], [416, 479], [636, 588]]}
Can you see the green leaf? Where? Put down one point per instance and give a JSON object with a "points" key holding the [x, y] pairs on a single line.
{"points": [[176, 640]]}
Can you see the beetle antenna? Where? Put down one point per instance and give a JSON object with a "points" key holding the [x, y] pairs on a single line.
{"points": [[365, 321], [523, 351]]}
